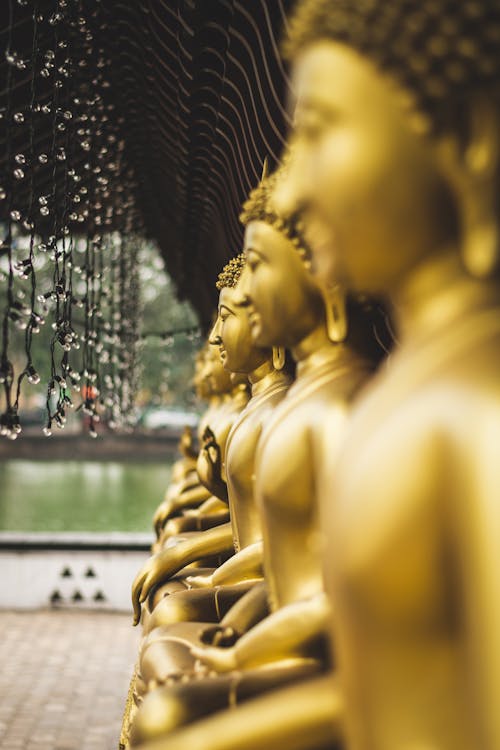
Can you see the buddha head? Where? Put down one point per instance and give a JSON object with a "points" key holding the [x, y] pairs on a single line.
{"points": [[396, 140], [284, 304], [200, 381], [231, 333]]}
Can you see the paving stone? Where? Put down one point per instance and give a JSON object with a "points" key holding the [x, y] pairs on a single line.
{"points": [[64, 679]]}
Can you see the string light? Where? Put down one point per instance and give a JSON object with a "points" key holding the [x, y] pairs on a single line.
{"points": [[64, 182]]}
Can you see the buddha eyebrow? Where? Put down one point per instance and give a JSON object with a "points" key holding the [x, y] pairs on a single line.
{"points": [[225, 307], [314, 106], [255, 252]]}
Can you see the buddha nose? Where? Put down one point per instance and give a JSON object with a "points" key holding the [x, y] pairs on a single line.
{"points": [[290, 194], [214, 337], [242, 291]]}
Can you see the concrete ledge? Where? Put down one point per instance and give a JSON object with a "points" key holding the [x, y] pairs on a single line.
{"points": [[98, 541], [157, 447]]}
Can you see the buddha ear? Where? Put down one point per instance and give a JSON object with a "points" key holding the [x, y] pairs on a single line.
{"points": [[482, 146], [478, 163]]}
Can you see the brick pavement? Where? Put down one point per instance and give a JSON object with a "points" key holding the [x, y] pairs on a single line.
{"points": [[63, 679]]}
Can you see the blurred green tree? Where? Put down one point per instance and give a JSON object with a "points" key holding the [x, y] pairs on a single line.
{"points": [[166, 357]]}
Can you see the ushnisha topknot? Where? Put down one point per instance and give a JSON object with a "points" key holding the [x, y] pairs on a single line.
{"points": [[260, 207], [439, 51], [230, 274]]}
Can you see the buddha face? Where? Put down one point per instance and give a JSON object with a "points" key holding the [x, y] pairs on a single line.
{"points": [[284, 305], [200, 381], [232, 335], [217, 377], [374, 200]]}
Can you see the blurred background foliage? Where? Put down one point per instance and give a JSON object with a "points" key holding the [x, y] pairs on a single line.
{"points": [[166, 357], [167, 360]]}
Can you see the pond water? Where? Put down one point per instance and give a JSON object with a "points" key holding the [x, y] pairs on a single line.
{"points": [[80, 495]]}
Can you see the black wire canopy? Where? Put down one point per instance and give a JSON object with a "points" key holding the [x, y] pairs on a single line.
{"points": [[201, 87], [121, 122]]}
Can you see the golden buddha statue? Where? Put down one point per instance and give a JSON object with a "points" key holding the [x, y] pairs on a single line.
{"points": [[226, 397], [396, 169], [185, 466], [285, 310], [184, 476]]}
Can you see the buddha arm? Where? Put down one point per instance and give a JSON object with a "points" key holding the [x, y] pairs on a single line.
{"points": [[187, 499], [298, 717], [194, 521], [212, 505], [212, 512], [284, 634], [245, 565], [248, 611], [169, 561], [476, 523], [245, 614], [210, 520], [190, 480]]}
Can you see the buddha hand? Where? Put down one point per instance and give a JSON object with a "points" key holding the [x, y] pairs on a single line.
{"points": [[157, 569], [169, 507], [215, 659], [212, 453], [160, 516], [221, 636]]}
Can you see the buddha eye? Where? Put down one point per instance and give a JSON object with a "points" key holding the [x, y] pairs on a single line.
{"points": [[309, 125], [252, 261], [224, 314], [311, 132]]}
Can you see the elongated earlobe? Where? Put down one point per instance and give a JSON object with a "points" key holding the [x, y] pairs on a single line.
{"points": [[278, 357], [481, 250], [480, 245], [336, 315]]}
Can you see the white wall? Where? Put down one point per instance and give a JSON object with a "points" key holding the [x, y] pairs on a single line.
{"points": [[32, 577]]}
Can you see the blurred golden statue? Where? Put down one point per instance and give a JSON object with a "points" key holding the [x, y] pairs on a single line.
{"points": [[396, 173]]}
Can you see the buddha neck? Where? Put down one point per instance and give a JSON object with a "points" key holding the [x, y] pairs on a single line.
{"points": [[313, 342], [315, 350], [436, 294], [215, 400], [265, 377]]}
